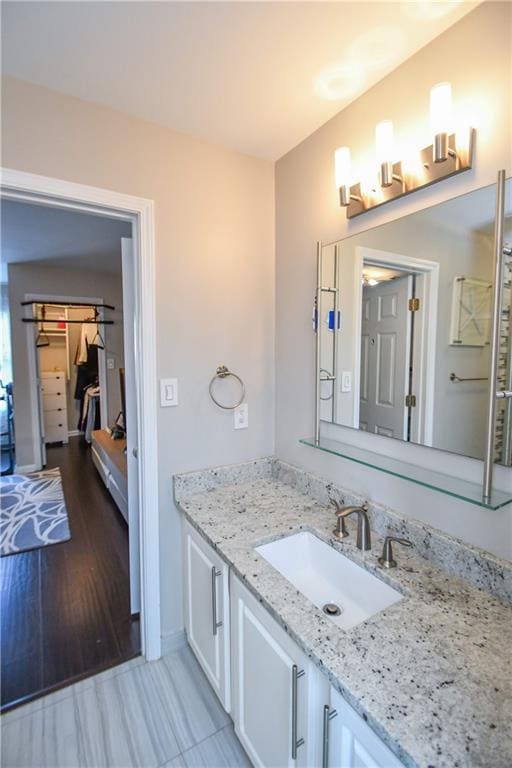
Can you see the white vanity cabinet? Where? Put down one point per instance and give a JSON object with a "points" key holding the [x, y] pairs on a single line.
{"points": [[277, 692], [285, 712], [350, 742], [207, 620]]}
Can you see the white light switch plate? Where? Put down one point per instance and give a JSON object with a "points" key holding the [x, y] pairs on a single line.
{"points": [[346, 381], [241, 416], [111, 363], [168, 392]]}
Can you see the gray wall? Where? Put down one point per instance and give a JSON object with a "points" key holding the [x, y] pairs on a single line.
{"points": [[36, 279], [475, 55], [214, 212]]}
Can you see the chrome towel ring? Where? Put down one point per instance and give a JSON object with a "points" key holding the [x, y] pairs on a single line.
{"points": [[223, 372]]}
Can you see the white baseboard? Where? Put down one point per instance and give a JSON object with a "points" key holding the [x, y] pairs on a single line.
{"points": [[173, 642], [26, 468]]}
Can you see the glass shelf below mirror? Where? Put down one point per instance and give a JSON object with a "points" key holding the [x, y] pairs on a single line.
{"points": [[428, 478]]}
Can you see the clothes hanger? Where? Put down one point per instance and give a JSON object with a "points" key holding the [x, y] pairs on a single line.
{"points": [[98, 334], [42, 339]]}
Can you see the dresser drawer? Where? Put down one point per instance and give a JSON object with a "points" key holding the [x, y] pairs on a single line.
{"points": [[97, 459], [119, 497], [56, 434], [54, 385], [54, 402], [57, 418]]}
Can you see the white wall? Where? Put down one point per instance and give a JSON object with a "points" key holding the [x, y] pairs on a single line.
{"points": [[475, 55], [214, 212], [33, 278]]}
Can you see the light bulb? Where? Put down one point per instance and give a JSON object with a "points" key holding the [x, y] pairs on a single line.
{"points": [[343, 173], [384, 141], [384, 145], [441, 119]]}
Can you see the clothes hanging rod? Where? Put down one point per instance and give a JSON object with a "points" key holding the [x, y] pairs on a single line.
{"points": [[66, 304], [454, 377], [82, 322]]}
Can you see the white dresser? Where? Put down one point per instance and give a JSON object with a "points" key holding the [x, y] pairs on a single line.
{"points": [[55, 409]]}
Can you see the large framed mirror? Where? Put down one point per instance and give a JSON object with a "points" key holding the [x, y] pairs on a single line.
{"points": [[405, 328]]}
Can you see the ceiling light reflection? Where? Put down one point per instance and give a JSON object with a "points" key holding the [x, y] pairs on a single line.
{"points": [[378, 47], [428, 10], [339, 81]]}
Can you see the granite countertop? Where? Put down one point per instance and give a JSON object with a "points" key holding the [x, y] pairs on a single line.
{"points": [[431, 674]]}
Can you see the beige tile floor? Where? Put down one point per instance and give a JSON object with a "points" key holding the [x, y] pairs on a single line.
{"points": [[139, 714]]}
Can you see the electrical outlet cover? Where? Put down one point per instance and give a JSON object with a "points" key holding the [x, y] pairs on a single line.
{"points": [[241, 416]]}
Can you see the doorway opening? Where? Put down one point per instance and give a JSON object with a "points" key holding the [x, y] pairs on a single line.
{"points": [[70, 560], [396, 316]]}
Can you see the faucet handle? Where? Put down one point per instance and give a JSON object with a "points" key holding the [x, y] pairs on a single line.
{"points": [[340, 532], [337, 504], [386, 559]]}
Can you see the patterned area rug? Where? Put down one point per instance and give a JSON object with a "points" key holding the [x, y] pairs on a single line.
{"points": [[33, 511]]}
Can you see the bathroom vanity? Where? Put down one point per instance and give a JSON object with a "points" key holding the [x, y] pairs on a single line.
{"points": [[418, 679]]}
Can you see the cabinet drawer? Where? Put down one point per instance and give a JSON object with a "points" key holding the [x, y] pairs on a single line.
{"points": [[100, 466], [56, 434], [54, 402], [58, 418], [54, 385], [118, 497]]}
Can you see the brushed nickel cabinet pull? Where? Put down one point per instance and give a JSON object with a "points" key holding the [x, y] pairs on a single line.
{"points": [[296, 743], [329, 714], [215, 624]]}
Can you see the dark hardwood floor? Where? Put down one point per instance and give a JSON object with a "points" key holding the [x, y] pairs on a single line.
{"points": [[65, 609]]}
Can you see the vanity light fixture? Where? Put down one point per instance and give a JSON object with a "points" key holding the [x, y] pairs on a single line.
{"points": [[385, 150], [449, 154], [440, 119], [343, 173]]}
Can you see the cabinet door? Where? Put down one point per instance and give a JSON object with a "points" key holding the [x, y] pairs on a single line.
{"points": [[207, 611], [266, 667], [352, 743]]}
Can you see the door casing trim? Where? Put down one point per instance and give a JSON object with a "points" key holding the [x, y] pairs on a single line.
{"points": [[44, 190]]}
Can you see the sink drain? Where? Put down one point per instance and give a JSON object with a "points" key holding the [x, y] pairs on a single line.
{"points": [[331, 609]]}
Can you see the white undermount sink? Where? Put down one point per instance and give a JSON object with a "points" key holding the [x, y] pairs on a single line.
{"points": [[325, 576]]}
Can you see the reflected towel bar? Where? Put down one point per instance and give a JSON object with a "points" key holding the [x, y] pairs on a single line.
{"points": [[454, 377]]}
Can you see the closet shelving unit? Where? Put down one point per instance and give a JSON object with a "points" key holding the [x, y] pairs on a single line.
{"points": [[52, 319]]}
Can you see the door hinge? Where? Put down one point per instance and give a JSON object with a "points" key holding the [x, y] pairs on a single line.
{"points": [[414, 305], [410, 401]]}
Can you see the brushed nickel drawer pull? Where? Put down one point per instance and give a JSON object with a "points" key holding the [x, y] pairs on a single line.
{"points": [[329, 714], [215, 624], [296, 743]]}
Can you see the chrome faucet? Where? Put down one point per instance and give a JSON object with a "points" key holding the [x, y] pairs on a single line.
{"points": [[363, 540], [386, 560]]}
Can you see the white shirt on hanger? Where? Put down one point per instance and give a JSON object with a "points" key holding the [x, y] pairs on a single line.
{"points": [[87, 336]]}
